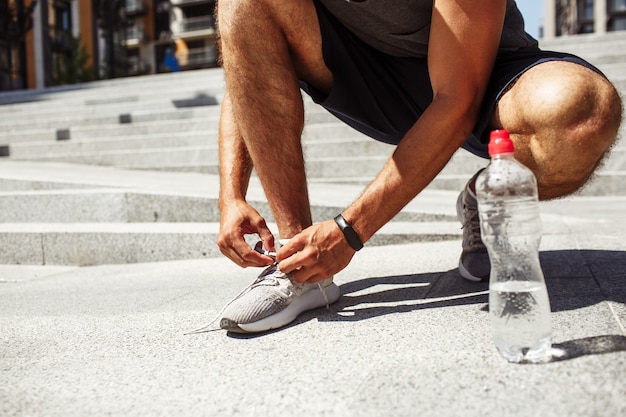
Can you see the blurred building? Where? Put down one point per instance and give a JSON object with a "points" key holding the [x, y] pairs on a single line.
{"points": [[15, 34], [73, 39], [571, 17]]}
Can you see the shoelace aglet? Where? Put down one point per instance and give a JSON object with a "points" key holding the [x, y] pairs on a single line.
{"points": [[259, 248], [204, 329]]}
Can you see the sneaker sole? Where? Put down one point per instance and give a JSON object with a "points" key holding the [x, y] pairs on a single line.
{"points": [[465, 274], [308, 301]]}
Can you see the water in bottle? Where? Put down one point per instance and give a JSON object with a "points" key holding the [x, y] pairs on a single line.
{"points": [[511, 230]]}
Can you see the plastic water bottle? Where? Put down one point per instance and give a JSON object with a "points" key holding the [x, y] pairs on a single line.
{"points": [[511, 230]]}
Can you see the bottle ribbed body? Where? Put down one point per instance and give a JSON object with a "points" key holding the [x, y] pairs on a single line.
{"points": [[519, 306]]}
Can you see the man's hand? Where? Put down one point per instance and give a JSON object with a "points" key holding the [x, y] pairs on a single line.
{"points": [[317, 253], [239, 219]]}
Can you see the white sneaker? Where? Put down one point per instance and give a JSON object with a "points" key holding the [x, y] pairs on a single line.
{"points": [[274, 300]]}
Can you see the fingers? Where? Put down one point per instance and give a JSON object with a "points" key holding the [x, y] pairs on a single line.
{"points": [[292, 256], [237, 220], [303, 270], [233, 245], [237, 249], [286, 251], [313, 255], [267, 237], [310, 261]]}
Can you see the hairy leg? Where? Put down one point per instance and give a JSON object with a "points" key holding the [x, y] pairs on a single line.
{"points": [[563, 119], [266, 46]]}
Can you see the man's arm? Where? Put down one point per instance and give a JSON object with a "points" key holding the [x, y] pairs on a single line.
{"points": [[464, 38], [237, 217], [463, 43]]}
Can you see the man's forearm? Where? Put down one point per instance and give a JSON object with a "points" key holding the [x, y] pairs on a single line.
{"points": [[471, 43], [417, 160], [235, 163]]}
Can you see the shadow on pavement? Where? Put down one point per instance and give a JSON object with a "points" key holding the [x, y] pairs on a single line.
{"points": [[575, 279], [595, 345]]}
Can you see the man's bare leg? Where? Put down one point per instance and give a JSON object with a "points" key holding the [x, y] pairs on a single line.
{"points": [[266, 46], [563, 119]]}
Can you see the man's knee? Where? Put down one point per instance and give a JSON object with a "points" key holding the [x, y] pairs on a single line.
{"points": [[236, 15], [568, 117], [591, 127], [253, 15]]}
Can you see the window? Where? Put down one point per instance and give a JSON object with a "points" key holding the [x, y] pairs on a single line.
{"points": [[616, 15], [62, 16], [585, 9], [617, 5]]}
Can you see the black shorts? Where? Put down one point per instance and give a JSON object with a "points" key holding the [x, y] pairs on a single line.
{"points": [[382, 96]]}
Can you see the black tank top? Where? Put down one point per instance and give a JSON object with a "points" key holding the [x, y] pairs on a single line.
{"points": [[402, 27]]}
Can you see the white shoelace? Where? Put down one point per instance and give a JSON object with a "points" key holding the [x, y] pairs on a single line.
{"points": [[259, 248]]}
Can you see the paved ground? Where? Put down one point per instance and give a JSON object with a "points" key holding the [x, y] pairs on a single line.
{"points": [[409, 337]]}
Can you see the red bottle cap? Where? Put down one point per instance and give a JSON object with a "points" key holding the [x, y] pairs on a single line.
{"points": [[500, 142]]}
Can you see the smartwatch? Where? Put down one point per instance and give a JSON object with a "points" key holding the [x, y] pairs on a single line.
{"points": [[349, 233]]}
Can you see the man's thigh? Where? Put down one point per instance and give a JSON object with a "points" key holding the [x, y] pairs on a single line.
{"points": [[379, 95], [290, 30], [512, 72], [382, 96]]}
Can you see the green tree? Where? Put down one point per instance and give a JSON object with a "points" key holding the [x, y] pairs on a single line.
{"points": [[75, 67]]}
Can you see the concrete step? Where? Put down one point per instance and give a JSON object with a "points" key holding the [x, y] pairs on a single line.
{"points": [[119, 243], [143, 158], [105, 243], [92, 124], [135, 155], [115, 205], [601, 184], [85, 145], [115, 130], [105, 98], [597, 48], [104, 205], [162, 137], [84, 215], [93, 149], [64, 225], [351, 158], [131, 206], [346, 169], [204, 159], [57, 115], [614, 71], [119, 87]]}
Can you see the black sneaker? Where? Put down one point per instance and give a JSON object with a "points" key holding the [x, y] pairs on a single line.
{"points": [[474, 264]]}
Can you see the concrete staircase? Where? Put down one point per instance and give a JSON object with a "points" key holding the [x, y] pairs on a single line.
{"points": [[169, 122], [124, 170]]}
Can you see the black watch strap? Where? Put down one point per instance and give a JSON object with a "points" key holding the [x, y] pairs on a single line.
{"points": [[349, 233]]}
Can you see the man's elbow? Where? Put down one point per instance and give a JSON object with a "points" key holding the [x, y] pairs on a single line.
{"points": [[462, 107]]}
